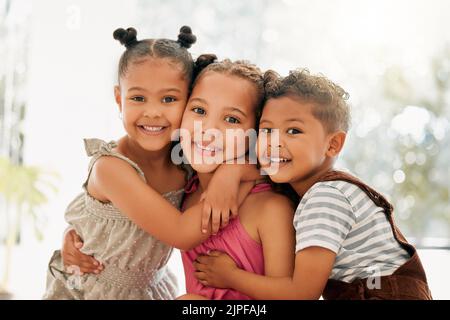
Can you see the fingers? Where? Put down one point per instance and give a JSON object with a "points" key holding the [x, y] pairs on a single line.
{"points": [[89, 268], [225, 218], [77, 241], [202, 259], [215, 221], [214, 253], [86, 263], [201, 277], [83, 267], [206, 216], [75, 236], [199, 267], [234, 211]]}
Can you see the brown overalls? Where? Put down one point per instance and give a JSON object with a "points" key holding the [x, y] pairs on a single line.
{"points": [[408, 282]]}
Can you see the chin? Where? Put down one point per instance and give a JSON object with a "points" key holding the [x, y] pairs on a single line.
{"points": [[277, 178], [204, 168], [282, 176], [153, 145]]}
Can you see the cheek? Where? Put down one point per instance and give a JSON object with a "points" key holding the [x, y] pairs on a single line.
{"points": [[175, 116], [186, 133], [261, 146], [238, 141], [129, 114], [187, 123]]}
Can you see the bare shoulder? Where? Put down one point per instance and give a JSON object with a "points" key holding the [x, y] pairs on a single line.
{"points": [[270, 205], [108, 170]]}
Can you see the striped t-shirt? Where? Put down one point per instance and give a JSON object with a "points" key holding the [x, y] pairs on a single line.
{"points": [[339, 216]]}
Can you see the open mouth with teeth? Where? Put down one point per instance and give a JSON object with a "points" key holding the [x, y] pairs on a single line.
{"points": [[151, 130], [208, 151], [279, 160]]}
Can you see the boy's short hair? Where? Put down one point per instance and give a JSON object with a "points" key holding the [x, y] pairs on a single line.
{"points": [[329, 99]]}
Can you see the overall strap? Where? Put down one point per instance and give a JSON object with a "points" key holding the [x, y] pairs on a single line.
{"points": [[377, 198], [413, 267]]}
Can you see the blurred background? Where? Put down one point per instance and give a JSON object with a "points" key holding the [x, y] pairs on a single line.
{"points": [[58, 65]]}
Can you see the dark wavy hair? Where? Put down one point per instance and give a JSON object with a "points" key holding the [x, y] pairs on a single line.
{"points": [[329, 99]]}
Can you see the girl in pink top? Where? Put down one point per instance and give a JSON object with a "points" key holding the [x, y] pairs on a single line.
{"points": [[226, 97], [234, 240]]}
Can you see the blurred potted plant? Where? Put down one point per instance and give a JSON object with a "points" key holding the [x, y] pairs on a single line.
{"points": [[22, 191]]}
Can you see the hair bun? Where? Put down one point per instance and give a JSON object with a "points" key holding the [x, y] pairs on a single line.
{"points": [[203, 61], [126, 37], [185, 37]]}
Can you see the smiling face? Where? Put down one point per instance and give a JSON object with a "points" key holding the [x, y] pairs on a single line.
{"points": [[223, 105], [299, 147], [152, 96]]}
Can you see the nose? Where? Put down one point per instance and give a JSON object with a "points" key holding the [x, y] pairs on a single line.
{"points": [[210, 131], [274, 140], [153, 111]]}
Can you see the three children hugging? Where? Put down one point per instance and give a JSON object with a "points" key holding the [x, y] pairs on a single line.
{"points": [[303, 230]]}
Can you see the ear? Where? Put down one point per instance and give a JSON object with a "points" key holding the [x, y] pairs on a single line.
{"points": [[336, 143], [118, 97]]}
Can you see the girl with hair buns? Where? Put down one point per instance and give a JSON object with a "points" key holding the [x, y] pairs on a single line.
{"points": [[127, 215]]}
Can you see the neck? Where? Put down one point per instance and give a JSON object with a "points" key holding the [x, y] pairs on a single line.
{"points": [[154, 160], [204, 179], [303, 185]]}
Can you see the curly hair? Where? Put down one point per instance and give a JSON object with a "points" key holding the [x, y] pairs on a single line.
{"points": [[240, 68], [137, 50], [328, 98]]}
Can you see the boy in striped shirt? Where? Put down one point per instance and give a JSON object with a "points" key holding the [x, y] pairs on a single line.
{"points": [[347, 245]]}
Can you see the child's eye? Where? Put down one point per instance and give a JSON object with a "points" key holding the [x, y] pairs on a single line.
{"points": [[231, 119], [168, 99], [138, 99], [293, 131], [265, 130], [199, 110]]}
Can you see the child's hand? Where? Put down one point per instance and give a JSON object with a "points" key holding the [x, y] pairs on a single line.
{"points": [[214, 269], [226, 193], [220, 201], [72, 255]]}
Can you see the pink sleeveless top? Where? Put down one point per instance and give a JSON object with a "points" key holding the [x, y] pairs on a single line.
{"points": [[233, 240]]}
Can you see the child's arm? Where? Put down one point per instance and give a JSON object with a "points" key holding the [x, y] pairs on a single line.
{"points": [[276, 232], [118, 182], [317, 246], [313, 266], [223, 191], [277, 235], [72, 256]]}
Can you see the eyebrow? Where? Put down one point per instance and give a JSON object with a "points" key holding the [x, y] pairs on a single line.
{"points": [[199, 100], [136, 89], [237, 110], [295, 119], [170, 89], [263, 121], [288, 120], [162, 90], [227, 108]]}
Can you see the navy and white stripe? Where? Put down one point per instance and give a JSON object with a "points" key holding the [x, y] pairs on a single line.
{"points": [[339, 216]]}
